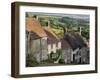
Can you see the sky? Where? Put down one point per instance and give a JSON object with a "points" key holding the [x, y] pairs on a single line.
{"points": [[76, 16]]}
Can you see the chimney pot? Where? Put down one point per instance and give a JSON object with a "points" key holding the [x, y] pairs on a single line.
{"points": [[35, 17], [80, 30], [65, 30], [48, 24]]}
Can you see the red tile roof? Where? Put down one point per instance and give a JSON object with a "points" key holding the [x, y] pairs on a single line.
{"points": [[34, 26]]}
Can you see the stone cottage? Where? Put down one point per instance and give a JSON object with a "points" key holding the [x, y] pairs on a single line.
{"points": [[66, 51], [77, 48], [36, 39]]}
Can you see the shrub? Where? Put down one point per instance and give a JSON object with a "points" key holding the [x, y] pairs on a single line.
{"points": [[54, 56], [31, 61], [61, 61]]}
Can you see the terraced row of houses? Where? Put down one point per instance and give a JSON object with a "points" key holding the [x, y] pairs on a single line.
{"points": [[42, 41]]}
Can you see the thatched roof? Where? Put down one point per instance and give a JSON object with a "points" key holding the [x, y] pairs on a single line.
{"points": [[75, 40], [64, 44]]}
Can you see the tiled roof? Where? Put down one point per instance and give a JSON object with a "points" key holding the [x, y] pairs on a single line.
{"points": [[33, 25], [32, 35], [52, 38]]}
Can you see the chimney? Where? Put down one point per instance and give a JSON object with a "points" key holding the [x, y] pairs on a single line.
{"points": [[65, 30], [35, 17], [48, 24], [80, 30]]}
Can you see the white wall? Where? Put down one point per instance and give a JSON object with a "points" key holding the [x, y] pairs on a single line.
{"points": [[5, 43], [51, 47]]}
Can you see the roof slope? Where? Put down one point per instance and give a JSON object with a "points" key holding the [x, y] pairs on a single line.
{"points": [[75, 40], [52, 38], [65, 44], [33, 25]]}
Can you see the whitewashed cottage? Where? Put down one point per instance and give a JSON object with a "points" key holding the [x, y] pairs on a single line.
{"points": [[53, 41]]}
